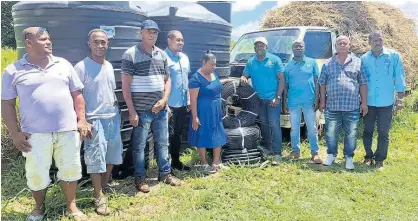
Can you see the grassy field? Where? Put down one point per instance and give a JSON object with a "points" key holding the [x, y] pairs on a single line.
{"points": [[296, 190]]}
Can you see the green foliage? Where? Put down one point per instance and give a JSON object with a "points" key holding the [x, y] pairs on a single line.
{"points": [[7, 31]]}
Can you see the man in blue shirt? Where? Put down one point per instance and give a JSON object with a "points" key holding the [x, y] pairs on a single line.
{"points": [[342, 80], [178, 101], [302, 95], [385, 74], [266, 73]]}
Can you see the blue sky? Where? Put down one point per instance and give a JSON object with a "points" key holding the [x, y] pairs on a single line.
{"points": [[247, 14]]}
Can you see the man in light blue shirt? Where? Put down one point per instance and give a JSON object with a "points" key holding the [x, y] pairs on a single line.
{"points": [[266, 73], [178, 101], [302, 96], [385, 74]]}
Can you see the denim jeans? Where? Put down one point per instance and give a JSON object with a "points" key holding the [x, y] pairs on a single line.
{"points": [[310, 120], [158, 123], [383, 117], [334, 120], [270, 126]]}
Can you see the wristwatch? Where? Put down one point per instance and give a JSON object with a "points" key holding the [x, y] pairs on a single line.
{"points": [[279, 97]]}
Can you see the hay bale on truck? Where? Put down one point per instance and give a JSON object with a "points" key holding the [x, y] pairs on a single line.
{"points": [[356, 20]]}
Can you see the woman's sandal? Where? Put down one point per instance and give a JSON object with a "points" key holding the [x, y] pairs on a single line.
{"points": [[78, 216], [32, 217]]}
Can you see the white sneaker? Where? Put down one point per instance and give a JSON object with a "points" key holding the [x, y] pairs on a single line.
{"points": [[330, 159], [349, 163]]}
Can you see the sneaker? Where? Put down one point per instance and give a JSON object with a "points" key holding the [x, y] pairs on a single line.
{"points": [[213, 169], [349, 163], [330, 159], [276, 160], [294, 155], [101, 206], [379, 165], [368, 162], [171, 180], [178, 165], [141, 185], [316, 159]]}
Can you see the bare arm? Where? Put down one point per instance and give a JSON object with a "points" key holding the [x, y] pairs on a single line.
{"points": [[20, 139], [363, 93], [282, 83], [126, 91], [8, 111], [193, 103], [80, 108], [167, 87]]}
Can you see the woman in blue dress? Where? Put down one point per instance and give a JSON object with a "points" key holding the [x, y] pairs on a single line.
{"points": [[206, 130]]}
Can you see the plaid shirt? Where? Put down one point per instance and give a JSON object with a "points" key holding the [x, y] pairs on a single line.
{"points": [[343, 83]]}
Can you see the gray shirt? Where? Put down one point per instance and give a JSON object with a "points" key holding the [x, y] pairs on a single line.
{"points": [[99, 86], [148, 72], [45, 101]]}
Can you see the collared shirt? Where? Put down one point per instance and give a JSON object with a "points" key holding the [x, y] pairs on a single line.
{"points": [[343, 83], [99, 88], [148, 72], [385, 74], [179, 67], [264, 75], [45, 101], [300, 77]]}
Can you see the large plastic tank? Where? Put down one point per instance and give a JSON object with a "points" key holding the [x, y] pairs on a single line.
{"points": [[69, 22], [202, 30], [221, 8]]}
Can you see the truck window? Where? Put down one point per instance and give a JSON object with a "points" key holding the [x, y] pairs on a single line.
{"points": [[279, 43], [318, 44]]}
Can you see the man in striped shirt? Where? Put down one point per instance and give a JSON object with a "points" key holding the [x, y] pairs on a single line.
{"points": [[146, 86]]}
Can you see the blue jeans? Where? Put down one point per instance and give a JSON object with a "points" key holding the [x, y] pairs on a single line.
{"points": [[310, 120], [270, 126], [333, 122], [158, 123]]}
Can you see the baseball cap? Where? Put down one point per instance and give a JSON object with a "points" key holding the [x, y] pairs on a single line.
{"points": [[149, 24], [262, 40]]}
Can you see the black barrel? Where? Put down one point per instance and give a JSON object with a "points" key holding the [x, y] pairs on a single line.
{"points": [[202, 30]]}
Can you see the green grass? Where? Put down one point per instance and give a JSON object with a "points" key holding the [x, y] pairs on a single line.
{"points": [[296, 190]]}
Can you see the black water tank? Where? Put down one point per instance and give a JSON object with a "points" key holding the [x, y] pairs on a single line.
{"points": [[201, 29], [69, 22], [221, 8]]}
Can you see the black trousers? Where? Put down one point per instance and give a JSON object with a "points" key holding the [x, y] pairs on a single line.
{"points": [[383, 117], [175, 129]]}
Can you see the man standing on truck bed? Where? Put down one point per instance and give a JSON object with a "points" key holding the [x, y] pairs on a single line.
{"points": [[385, 74], [146, 86], [302, 96], [342, 80], [179, 99], [266, 73], [104, 149]]}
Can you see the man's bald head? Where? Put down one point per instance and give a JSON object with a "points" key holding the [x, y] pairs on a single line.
{"points": [[343, 37], [298, 48], [29, 33], [37, 41]]}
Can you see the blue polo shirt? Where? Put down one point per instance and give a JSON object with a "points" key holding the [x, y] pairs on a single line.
{"points": [[179, 67], [385, 75], [300, 77], [264, 75]]}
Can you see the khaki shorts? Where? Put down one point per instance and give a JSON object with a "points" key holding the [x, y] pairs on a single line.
{"points": [[64, 147]]}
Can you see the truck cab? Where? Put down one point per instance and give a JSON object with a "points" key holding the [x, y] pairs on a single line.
{"points": [[319, 44]]}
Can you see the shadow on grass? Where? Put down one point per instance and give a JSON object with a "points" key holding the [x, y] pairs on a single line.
{"points": [[336, 167]]}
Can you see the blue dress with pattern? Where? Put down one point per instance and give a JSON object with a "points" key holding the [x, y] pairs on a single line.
{"points": [[211, 132]]}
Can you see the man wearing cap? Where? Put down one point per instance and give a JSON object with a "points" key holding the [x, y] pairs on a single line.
{"points": [[146, 86], [386, 75], [51, 108], [179, 99], [266, 73]]}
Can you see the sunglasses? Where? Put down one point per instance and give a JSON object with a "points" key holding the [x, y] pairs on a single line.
{"points": [[40, 31]]}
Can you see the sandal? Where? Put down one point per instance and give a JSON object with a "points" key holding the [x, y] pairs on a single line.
{"points": [[78, 216], [32, 217]]}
